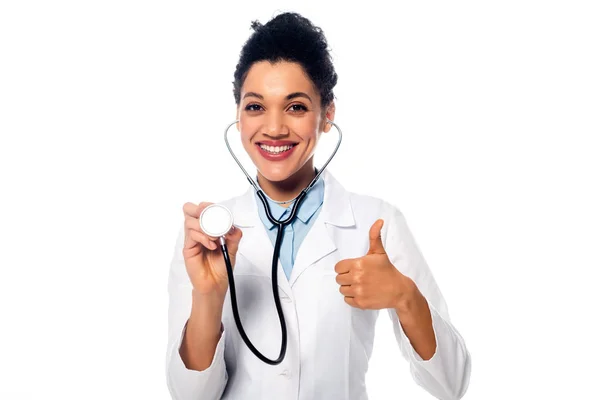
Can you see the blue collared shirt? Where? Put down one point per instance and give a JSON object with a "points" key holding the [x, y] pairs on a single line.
{"points": [[295, 232]]}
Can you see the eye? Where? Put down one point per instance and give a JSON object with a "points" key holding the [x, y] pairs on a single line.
{"points": [[252, 107], [298, 107]]}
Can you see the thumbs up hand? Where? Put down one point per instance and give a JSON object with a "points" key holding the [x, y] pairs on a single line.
{"points": [[372, 281]]}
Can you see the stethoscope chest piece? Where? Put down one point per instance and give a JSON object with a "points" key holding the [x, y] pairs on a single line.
{"points": [[216, 220]]}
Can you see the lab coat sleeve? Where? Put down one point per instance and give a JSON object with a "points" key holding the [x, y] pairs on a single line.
{"points": [[183, 383], [447, 374]]}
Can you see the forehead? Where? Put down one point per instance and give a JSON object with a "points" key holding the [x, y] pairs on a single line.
{"points": [[278, 79]]}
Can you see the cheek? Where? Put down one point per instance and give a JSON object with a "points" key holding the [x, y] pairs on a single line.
{"points": [[307, 130], [248, 129]]}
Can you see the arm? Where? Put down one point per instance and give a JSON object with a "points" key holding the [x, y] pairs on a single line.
{"points": [[195, 363], [439, 359], [202, 332], [414, 316]]}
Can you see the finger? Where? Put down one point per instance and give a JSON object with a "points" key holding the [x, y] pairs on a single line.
{"points": [[233, 238], [375, 243], [351, 301], [193, 224], [194, 210], [347, 290], [192, 241], [201, 238], [343, 266], [344, 279], [191, 209]]}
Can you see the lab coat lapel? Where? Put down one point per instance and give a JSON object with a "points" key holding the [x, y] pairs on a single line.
{"points": [[316, 245], [256, 245], [319, 242]]}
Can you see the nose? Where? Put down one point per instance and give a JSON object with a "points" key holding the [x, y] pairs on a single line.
{"points": [[275, 126]]}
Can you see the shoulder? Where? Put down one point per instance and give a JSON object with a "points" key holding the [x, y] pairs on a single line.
{"points": [[367, 205], [363, 205], [367, 209]]}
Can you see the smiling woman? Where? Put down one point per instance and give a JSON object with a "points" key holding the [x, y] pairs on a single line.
{"points": [[343, 258]]}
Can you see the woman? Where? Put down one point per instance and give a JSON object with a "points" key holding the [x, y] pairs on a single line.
{"points": [[344, 258]]}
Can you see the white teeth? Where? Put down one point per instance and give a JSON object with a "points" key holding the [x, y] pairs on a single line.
{"points": [[275, 149]]}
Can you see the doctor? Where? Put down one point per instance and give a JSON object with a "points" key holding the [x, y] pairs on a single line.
{"points": [[345, 257]]}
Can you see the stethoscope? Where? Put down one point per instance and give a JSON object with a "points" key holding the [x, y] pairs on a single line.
{"points": [[216, 220]]}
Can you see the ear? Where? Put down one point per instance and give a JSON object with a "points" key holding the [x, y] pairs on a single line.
{"points": [[237, 117], [330, 115]]}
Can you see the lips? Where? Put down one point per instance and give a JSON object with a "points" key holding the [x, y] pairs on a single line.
{"points": [[277, 142], [276, 150]]}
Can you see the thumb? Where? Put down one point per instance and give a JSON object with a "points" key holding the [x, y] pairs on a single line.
{"points": [[375, 243], [233, 238]]}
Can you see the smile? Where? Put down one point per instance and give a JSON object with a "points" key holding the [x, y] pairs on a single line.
{"points": [[276, 149]]}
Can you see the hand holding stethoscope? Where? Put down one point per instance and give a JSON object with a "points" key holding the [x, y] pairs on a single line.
{"points": [[202, 254]]}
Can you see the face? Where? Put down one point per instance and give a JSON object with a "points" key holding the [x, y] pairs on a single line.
{"points": [[280, 119]]}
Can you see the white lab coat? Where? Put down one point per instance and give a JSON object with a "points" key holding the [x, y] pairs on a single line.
{"points": [[329, 342]]}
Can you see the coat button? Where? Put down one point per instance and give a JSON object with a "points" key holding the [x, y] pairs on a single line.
{"points": [[285, 373]]}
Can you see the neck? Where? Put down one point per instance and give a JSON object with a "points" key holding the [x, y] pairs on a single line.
{"points": [[289, 188]]}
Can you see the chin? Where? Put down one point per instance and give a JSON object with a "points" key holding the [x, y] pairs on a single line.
{"points": [[274, 173]]}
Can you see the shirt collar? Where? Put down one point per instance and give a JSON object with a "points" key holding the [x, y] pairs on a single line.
{"points": [[310, 205]]}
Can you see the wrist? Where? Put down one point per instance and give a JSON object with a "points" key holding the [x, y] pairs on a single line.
{"points": [[208, 310], [213, 297], [408, 298]]}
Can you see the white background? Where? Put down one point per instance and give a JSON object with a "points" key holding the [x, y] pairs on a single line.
{"points": [[479, 120]]}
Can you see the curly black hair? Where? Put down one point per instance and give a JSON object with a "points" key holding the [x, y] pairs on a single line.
{"points": [[293, 38]]}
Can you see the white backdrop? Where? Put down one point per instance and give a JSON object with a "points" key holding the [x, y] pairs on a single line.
{"points": [[479, 120]]}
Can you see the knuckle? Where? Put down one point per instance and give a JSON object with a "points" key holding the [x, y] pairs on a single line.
{"points": [[359, 264], [235, 234], [188, 208], [189, 223], [199, 237], [194, 235], [202, 206]]}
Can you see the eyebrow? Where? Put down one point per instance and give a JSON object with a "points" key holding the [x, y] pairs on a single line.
{"points": [[288, 97]]}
